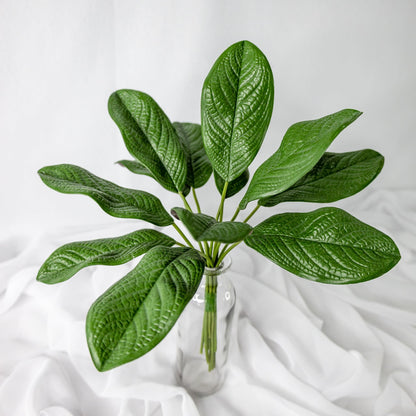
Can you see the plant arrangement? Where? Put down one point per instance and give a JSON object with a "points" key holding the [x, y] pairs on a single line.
{"points": [[326, 245]]}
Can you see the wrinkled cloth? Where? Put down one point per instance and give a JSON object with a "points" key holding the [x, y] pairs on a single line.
{"points": [[298, 348]]}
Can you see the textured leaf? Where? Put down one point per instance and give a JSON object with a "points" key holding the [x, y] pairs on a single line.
{"points": [[149, 136], [236, 107], [327, 245], [234, 186], [226, 232], [113, 199], [205, 228], [137, 312], [199, 166], [302, 146], [69, 259], [335, 176], [136, 167]]}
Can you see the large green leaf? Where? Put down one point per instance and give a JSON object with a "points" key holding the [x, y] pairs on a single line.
{"points": [[234, 186], [69, 259], [113, 199], [302, 146], [327, 245], [139, 169], [150, 137], [199, 166], [137, 312], [335, 176], [236, 107], [205, 228]]}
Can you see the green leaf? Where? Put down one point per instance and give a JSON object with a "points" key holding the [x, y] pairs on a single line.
{"points": [[302, 146], [199, 166], [150, 137], [327, 245], [136, 167], [205, 228], [234, 186], [236, 107], [113, 199], [69, 259], [138, 311], [334, 177]]}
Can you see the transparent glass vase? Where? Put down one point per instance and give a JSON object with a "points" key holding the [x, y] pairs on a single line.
{"points": [[204, 330]]}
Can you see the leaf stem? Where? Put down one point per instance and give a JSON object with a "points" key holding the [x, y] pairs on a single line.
{"points": [[183, 235], [221, 207], [180, 244], [209, 326], [252, 213], [226, 250], [185, 202], [198, 207], [215, 252], [237, 211]]}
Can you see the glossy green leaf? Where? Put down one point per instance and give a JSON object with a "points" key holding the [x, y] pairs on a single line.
{"points": [[334, 177], [113, 199], [69, 259], [136, 167], [234, 186], [302, 146], [236, 107], [205, 228], [138, 311], [327, 245], [199, 166], [150, 137]]}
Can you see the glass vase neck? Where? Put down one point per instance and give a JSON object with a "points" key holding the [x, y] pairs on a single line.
{"points": [[221, 269]]}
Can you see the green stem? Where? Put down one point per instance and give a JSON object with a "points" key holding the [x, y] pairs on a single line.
{"points": [[209, 326], [185, 202], [211, 248], [183, 235], [180, 244], [220, 212], [209, 260], [198, 207], [252, 213], [226, 250], [235, 214], [207, 252], [215, 252]]}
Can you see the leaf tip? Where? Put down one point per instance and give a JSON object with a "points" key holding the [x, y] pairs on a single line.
{"points": [[43, 277], [39, 277], [243, 203], [42, 171], [120, 163], [354, 113], [174, 213]]}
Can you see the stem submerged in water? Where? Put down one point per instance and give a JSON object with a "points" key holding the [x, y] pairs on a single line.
{"points": [[209, 326]]}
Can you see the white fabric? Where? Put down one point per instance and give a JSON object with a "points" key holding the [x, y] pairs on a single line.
{"points": [[298, 348]]}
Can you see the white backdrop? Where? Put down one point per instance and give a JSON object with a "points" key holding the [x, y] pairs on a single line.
{"points": [[60, 60], [305, 349]]}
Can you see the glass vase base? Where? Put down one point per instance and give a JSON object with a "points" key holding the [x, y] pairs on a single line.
{"points": [[196, 379]]}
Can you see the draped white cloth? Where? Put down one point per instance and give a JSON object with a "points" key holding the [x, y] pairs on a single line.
{"points": [[298, 348]]}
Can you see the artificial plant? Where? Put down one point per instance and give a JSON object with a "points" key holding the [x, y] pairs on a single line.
{"points": [[327, 245]]}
